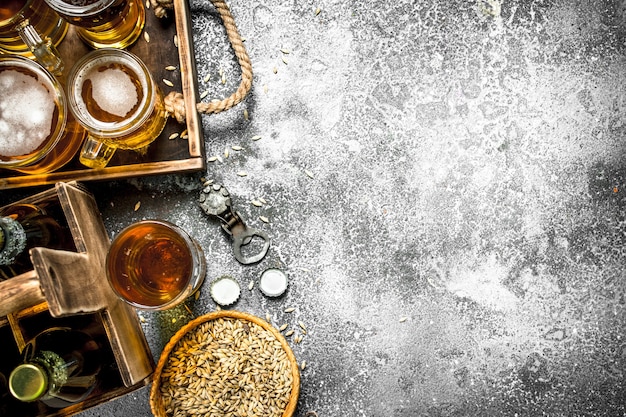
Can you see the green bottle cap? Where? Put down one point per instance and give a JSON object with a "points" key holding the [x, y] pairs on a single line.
{"points": [[28, 382], [13, 240]]}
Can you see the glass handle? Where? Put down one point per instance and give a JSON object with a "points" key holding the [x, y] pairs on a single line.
{"points": [[45, 52], [95, 154]]}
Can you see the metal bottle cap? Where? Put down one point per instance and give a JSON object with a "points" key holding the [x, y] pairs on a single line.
{"points": [[13, 240], [28, 382], [273, 282], [225, 290]]}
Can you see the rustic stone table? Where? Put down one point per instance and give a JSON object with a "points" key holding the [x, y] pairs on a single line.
{"points": [[444, 186]]}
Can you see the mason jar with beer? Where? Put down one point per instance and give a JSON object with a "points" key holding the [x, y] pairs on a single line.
{"points": [[38, 134], [30, 28], [103, 23], [113, 95]]}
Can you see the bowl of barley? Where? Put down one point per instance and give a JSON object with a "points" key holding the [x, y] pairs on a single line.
{"points": [[226, 363]]}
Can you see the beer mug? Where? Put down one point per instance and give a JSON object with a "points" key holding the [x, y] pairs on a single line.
{"points": [[38, 134], [112, 95], [30, 28], [155, 265], [103, 23]]}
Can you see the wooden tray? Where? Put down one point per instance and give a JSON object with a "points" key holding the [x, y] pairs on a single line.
{"points": [[164, 155]]}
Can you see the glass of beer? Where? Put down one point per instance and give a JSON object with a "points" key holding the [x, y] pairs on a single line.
{"points": [[155, 265], [113, 95], [103, 23], [30, 28], [38, 134]]}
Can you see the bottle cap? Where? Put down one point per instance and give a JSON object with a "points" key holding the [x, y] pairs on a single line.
{"points": [[13, 240], [225, 290], [28, 382], [273, 282]]}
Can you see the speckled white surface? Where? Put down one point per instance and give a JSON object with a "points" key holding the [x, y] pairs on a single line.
{"points": [[445, 189]]}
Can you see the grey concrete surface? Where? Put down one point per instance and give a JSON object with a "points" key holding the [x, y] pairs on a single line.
{"points": [[445, 189]]}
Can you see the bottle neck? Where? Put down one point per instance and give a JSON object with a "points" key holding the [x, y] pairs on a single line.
{"points": [[12, 240]]}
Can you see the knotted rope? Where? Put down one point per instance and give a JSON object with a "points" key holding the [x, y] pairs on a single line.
{"points": [[174, 103]]}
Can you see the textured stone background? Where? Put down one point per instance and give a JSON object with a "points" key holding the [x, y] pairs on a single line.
{"points": [[445, 187]]}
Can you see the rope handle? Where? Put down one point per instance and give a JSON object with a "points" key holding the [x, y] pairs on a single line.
{"points": [[174, 103]]}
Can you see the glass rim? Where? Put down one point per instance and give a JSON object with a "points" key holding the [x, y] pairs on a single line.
{"points": [[51, 81], [72, 10], [111, 130], [192, 246]]}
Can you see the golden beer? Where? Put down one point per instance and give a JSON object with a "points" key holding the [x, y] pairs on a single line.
{"points": [[154, 264], [44, 20], [113, 95], [37, 132], [103, 23]]}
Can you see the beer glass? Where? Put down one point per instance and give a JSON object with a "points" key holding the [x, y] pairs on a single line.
{"points": [[155, 265], [30, 28], [113, 95], [38, 134], [103, 23]]}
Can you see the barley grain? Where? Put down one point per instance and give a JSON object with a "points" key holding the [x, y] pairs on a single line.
{"points": [[215, 371]]}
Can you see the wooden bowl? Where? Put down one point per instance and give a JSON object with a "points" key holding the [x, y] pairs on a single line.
{"points": [[171, 356]]}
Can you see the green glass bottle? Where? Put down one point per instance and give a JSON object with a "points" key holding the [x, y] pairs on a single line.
{"points": [[22, 227], [60, 368]]}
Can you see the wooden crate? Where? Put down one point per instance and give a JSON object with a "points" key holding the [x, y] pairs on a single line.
{"points": [[88, 302]]}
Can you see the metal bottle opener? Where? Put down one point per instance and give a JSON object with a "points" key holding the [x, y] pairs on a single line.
{"points": [[215, 201]]}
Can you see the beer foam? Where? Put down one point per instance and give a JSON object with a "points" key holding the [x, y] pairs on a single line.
{"points": [[26, 113], [114, 91]]}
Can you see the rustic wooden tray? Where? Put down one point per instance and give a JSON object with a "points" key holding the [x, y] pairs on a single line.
{"points": [[164, 155]]}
